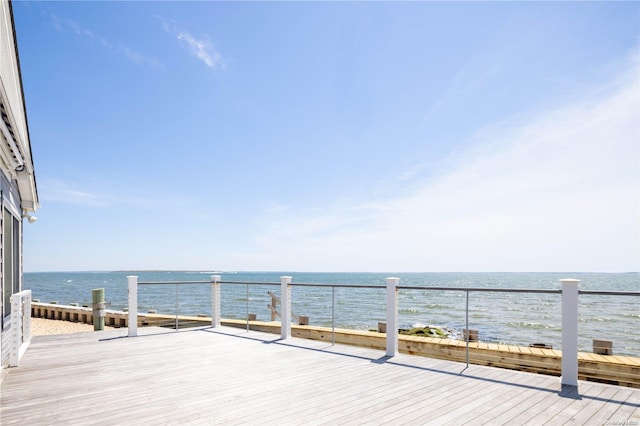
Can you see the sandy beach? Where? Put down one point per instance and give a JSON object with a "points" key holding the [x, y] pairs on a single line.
{"points": [[43, 327]]}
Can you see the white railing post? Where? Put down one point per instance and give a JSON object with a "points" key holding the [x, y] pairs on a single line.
{"points": [[392, 316], [215, 301], [285, 307], [132, 281], [26, 317], [569, 372], [16, 329], [20, 336]]}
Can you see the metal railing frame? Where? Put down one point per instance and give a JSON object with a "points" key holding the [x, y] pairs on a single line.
{"points": [[569, 293]]}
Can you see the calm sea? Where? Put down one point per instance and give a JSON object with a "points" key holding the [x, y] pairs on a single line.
{"points": [[511, 318]]}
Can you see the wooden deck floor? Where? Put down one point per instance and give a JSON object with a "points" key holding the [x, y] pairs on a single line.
{"points": [[229, 376]]}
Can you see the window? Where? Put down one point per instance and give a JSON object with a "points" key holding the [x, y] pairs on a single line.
{"points": [[10, 261], [16, 255]]}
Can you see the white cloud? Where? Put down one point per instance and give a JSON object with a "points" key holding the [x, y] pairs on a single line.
{"points": [[138, 57], [94, 195], [62, 192], [557, 192], [201, 48], [63, 24]]}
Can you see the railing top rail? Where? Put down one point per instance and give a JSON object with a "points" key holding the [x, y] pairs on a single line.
{"points": [[430, 288], [261, 283], [172, 282], [248, 282], [338, 285], [610, 293], [306, 284], [485, 289]]}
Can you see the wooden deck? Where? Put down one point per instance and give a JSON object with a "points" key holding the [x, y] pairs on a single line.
{"points": [[229, 376]]}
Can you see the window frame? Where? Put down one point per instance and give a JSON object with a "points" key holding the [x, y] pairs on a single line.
{"points": [[10, 245]]}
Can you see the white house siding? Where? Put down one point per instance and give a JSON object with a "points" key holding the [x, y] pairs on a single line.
{"points": [[17, 178], [10, 201], [10, 72]]}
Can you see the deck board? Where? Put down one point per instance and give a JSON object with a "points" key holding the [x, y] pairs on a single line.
{"points": [[230, 376], [629, 411], [488, 413]]}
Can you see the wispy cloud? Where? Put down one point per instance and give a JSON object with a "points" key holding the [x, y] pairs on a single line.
{"points": [[63, 192], [95, 195], [556, 192], [202, 48], [66, 24]]}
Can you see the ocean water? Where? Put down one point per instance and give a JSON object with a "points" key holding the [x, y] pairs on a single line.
{"points": [[510, 318]]}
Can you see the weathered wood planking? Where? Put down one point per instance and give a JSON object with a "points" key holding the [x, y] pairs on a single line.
{"points": [[229, 376]]}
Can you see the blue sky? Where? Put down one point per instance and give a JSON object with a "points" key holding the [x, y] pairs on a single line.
{"points": [[360, 136]]}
